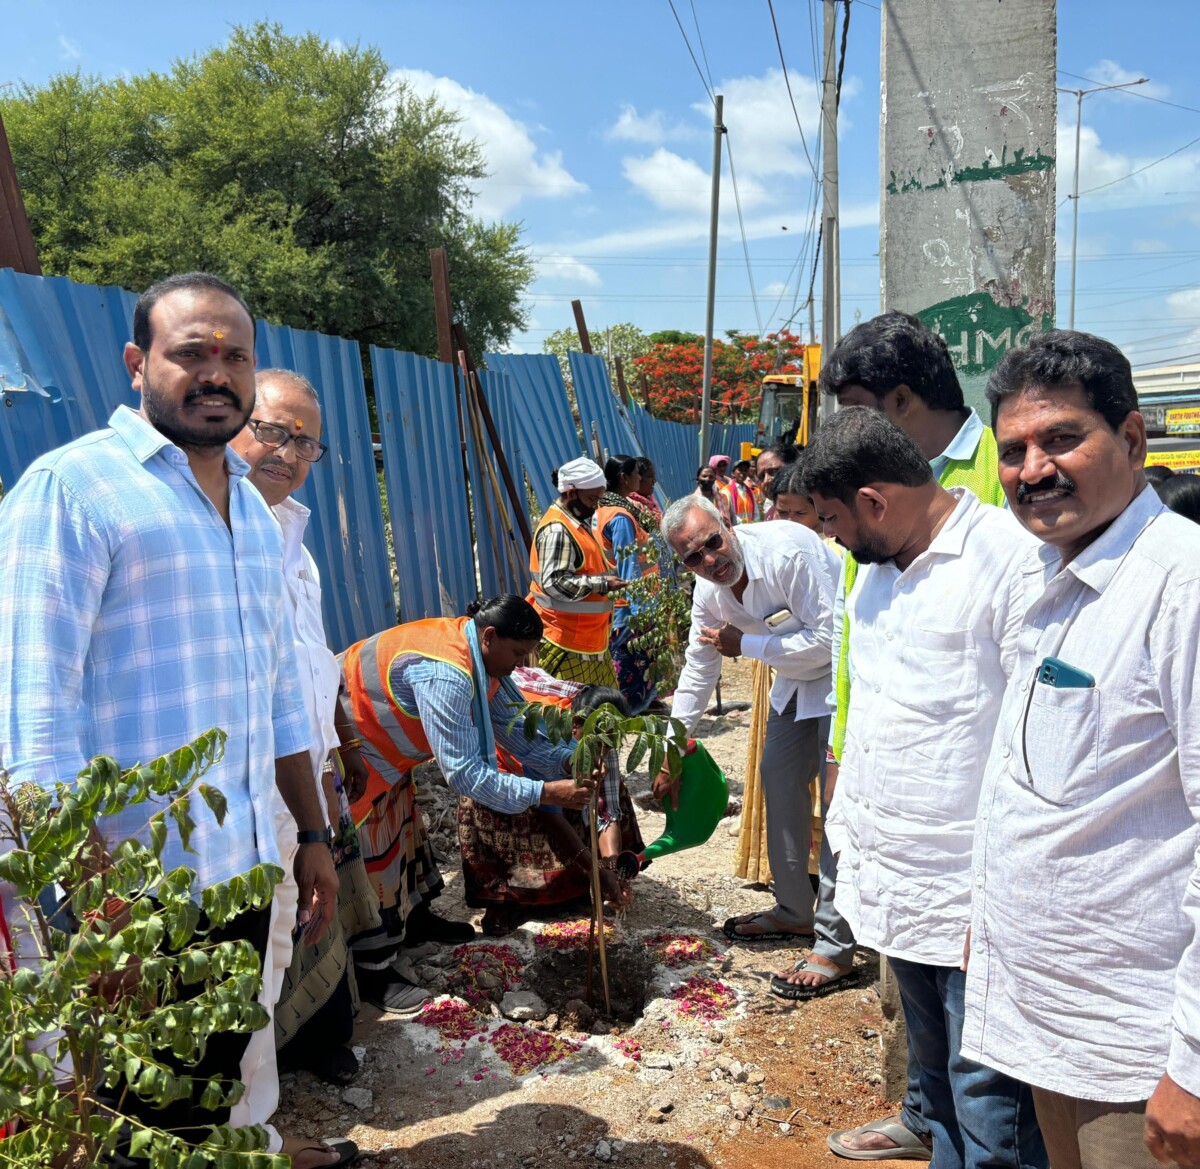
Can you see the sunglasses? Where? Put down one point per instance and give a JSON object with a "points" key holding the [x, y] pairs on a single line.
{"points": [[307, 448], [695, 558]]}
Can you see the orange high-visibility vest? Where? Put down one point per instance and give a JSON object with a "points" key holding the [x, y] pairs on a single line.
{"points": [[579, 626], [601, 521], [396, 734]]}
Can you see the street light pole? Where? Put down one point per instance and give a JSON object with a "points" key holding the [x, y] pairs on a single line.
{"points": [[1080, 94]]}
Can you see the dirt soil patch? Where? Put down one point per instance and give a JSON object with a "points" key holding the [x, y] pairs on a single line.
{"points": [[762, 1082]]}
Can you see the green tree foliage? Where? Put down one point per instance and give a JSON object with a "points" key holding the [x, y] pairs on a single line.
{"points": [[298, 170], [66, 993], [622, 340]]}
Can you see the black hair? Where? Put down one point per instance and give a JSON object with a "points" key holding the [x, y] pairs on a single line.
{"points": [[512, 617], [1062, 359], [856, 447], [789, 481], [705, 467], [786, 452], [180, 282], [592, 697], [890, 350], [645, 465], [617, 466], [1158, 474], [1181, 493], [740, 464]]}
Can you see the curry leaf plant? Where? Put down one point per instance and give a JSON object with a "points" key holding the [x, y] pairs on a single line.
{"points": [[88, 1013]]}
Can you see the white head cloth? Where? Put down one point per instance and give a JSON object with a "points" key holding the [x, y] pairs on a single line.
{"points": [[580, 473]]}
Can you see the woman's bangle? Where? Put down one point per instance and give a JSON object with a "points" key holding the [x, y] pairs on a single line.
{"points": [[352, 745]]}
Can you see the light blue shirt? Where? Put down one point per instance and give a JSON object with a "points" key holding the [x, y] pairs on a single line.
{"points": [[132, 619], [441, 695]]}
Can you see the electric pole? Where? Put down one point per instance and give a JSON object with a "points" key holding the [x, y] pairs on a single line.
{"points": [[831, 281], [1080, 94], [706, 388]]}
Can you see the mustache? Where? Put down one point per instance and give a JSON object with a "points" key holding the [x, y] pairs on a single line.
{"points": [[1056, 482], [276, 461], [211, 391]]}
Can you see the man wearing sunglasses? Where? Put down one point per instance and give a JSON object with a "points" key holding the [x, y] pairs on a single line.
{"points": [[763, 591]]}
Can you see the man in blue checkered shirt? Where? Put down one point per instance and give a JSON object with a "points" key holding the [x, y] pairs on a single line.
{"points": [[140, 607]]}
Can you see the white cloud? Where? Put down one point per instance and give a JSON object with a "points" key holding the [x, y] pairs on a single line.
{"points": [[1151, 246], [762, 126], [674, 183], [70, 49], [1164, 182], [566, 269], [1185, 303], [516, 169], [652, 128]]}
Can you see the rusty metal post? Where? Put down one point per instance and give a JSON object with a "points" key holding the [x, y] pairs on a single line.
{"points": [[460, 338], [620, 367], [585, 340], [17, 249], [442, 310]]}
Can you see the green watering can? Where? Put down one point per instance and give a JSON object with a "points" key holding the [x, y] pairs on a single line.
{"points": [[703, 800]]}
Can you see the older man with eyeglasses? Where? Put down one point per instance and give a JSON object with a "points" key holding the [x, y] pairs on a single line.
{"points": [[763, 591]]}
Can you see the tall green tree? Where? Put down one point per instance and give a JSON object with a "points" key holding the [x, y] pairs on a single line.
{"points": [[299, 170], [621, 340]]}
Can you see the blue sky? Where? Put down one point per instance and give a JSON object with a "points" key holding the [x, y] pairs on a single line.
{"points": [[598, 134]]}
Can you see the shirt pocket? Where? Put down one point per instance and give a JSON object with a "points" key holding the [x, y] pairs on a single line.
{"points": [[1061, 745], [940, 672]]}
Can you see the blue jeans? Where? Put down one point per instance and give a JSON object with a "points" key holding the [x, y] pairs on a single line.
{"points": [[979, 1118]]}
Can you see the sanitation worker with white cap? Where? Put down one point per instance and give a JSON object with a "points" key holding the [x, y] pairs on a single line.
{"points": [[571, 581]]}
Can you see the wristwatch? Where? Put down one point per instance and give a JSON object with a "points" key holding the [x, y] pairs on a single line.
{"points": [[315, 836]]}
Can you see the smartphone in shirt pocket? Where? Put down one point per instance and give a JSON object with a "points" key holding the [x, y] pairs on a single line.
{"points": [[1061, 733]]}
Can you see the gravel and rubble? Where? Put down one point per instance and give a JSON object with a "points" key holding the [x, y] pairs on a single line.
{"points": [[510, 1069]]}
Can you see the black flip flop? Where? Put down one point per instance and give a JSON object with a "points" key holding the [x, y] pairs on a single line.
{"points": [[729, 929], [346, 1150], [339, 1067], [795, 992]]}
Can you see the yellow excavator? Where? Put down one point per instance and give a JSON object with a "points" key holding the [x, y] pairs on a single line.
{"points": [[789, 405]]}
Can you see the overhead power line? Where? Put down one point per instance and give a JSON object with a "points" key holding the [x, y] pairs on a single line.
{"points": [[787, 81], [1140, 169], [688, 43], [1132, 92]]}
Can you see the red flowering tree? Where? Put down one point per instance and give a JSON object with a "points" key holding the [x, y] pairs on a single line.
{"points": [[675, 373]]}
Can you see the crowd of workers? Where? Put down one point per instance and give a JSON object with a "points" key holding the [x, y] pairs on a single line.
{"points": [[992, 688]]}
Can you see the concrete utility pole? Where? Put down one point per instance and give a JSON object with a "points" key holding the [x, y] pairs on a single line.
{"points": [[706, 388], [966, 234], [1080, 94], [831, 279], [967, 126]]}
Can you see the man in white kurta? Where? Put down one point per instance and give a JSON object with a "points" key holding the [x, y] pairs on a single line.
{"points": [[280, 444], [933, 619], [763, 591]]}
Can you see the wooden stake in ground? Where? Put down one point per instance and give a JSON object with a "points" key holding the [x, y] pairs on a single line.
{"points": [[598, 901]]}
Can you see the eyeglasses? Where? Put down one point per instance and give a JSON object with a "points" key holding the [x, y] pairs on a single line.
{"points": [[307, 448], [695, 558]]}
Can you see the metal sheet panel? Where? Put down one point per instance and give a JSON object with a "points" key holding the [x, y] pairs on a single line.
{"points": [[61, 373], [61, 376], [505, 570], [422, 459], [548, 437]]}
